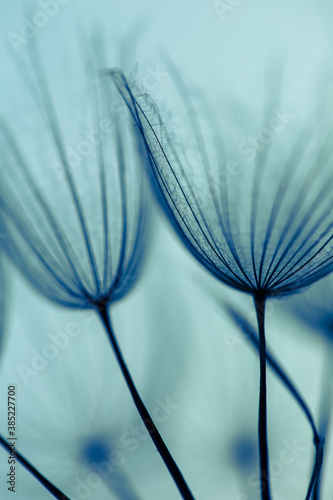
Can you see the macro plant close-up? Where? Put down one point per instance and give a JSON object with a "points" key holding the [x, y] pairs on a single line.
{"points": [[166, 250], [269, 234], [96, 263]]}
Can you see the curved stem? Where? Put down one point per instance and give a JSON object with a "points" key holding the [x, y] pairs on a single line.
{"points": [[147, 420], [45, 482], [316, 468], [259, 302]]}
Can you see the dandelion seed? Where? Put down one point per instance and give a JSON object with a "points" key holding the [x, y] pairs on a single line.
{"points": [[80, 242], [267, 233]]}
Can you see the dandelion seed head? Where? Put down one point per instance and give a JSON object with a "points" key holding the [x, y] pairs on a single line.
{"points": [[314, 308], [267, 228], [72, 192]]}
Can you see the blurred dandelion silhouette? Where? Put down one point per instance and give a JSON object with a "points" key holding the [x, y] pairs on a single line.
{"points": [[79, 242], [314, 307], [87, 439], [7, 445], [84, 452], [73, 196], [266, 232]]}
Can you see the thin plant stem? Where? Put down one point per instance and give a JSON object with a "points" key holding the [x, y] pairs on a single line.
{"points": [[284, 378], [317, 483], [147, 420], [42, 479], [325, 407], [259, 302], [316, 468]]}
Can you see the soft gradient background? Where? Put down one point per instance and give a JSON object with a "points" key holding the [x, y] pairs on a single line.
{"points": [[176, 338]]}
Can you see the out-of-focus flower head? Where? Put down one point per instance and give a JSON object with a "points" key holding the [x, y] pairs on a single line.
{"points": [[72, 193], [314, 307], [85, 437]]}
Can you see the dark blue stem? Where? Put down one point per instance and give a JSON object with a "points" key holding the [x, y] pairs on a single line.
{"points": [[42, 479], [146, 418]]}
